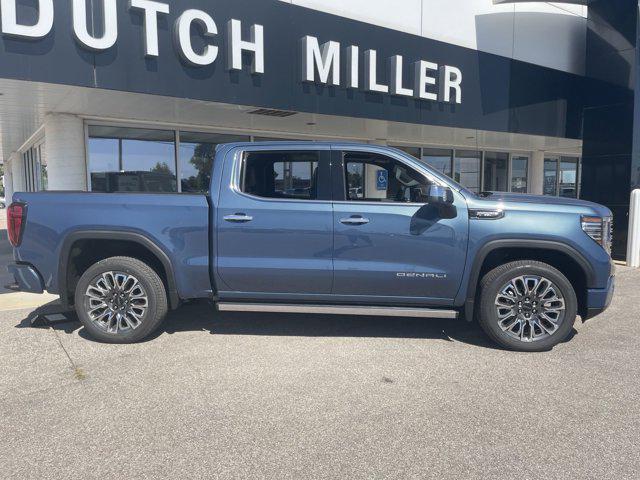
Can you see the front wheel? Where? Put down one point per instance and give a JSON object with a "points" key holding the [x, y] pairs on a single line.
{"points": [[527, 306], [120, 300]]}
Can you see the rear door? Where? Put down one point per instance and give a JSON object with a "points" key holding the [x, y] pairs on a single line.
{"points": [[275, 222], [390, 244]]}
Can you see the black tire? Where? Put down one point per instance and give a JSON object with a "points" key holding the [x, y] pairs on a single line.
{"points": [[496, 279], [152, 285]]}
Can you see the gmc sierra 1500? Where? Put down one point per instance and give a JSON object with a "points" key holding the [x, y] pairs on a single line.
{"points": [[327, 228]]}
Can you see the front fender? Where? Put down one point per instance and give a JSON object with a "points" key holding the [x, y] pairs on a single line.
{"points": [[471, 279]]}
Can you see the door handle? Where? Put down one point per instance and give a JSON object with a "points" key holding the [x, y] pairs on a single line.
{"points": [[354, 220], [238, 218]]}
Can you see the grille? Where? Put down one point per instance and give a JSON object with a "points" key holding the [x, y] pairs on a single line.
{"points": [[607, 232]]}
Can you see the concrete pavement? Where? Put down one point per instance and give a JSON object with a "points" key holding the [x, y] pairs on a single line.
{"points": [[289, 397]]}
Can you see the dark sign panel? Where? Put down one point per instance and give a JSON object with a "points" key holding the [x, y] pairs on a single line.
{"points": [[272, 54]]}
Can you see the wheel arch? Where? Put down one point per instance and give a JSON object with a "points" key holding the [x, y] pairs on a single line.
{"points": [[566, 258], [144, 247]]}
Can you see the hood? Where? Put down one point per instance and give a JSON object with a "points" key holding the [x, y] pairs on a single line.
{"points": [[543, 201]]}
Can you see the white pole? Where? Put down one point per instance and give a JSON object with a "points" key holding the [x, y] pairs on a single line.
{"points": [[633, 244]]}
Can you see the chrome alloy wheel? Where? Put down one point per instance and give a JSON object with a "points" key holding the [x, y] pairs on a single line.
{"points": [[116, 302], [530, 308]]}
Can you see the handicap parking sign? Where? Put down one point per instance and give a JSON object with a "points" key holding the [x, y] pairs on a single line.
{"points": [[382, 180]]}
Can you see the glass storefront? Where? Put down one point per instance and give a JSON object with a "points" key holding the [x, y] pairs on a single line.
{"points": [[132, 160], [123, 159], [477, 170], [562, 176], [568, 180], [35, 169], [413, 151], [439, 159], [550, 186], [467, 167], [519, 174], [496, 172], [195, 158]]}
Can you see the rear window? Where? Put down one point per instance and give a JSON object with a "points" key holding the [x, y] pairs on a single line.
{"points": [[284, 175]]}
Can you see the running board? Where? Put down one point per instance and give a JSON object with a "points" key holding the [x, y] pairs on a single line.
{"points": [[337, 310]]}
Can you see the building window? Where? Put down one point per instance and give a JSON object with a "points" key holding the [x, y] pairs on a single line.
{"points": [[519, 174], [195, 158], [467, 169], [496, 172], [273, 139], [439, 159], [132, 160], [282, 175], [550, 176], [35, 169], [561, 176], [413, 151], [568, 179]]}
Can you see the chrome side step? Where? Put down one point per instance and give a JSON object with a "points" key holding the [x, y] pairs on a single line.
{"points": [[337, 310]]}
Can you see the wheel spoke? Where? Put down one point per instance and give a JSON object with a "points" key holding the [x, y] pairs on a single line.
{"points": [[509, 323]]}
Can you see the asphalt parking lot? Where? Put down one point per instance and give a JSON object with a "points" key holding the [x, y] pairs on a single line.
{"points": [[288, 396]]}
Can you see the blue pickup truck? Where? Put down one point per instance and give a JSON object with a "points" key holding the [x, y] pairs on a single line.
{"points": [[322, 228]]}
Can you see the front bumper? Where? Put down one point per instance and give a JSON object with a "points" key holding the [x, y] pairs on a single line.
{"points": [[27, 278], [598, 300]]}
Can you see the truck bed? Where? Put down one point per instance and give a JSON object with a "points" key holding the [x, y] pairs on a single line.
{"points": [[178, 224]]}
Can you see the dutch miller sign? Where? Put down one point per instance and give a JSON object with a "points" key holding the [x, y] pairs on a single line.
{"points": [[329, 63]]}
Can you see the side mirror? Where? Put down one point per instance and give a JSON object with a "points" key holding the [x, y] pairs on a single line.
{"points": [[439, 195]]}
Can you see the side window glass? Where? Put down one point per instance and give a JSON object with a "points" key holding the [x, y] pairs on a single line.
{"points": [[377, 178], [281, 174]]}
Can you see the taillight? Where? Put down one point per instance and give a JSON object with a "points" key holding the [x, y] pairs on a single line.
{"points": [[16, 220]]}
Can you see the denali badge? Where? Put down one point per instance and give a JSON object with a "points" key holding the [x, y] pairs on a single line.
{"points": [[435, 276]]}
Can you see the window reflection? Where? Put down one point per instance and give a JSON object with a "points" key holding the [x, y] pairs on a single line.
{"points": [[197, 151], [439, 159], [519, 174], [568, 181], [132, 160], [550, 176], [467, 169], [496, 167]]}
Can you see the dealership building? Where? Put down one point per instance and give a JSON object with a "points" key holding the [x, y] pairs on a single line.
{"points": [[133, 95]]}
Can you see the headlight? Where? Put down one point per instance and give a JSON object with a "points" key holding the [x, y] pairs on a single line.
{"points": [[600, 230]]}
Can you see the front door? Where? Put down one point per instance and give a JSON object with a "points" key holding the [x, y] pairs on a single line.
{"points": [[390, 244], [275, 223]]}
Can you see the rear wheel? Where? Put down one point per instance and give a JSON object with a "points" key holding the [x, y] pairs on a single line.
{"points": [[120, 300], [527, 306]]}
